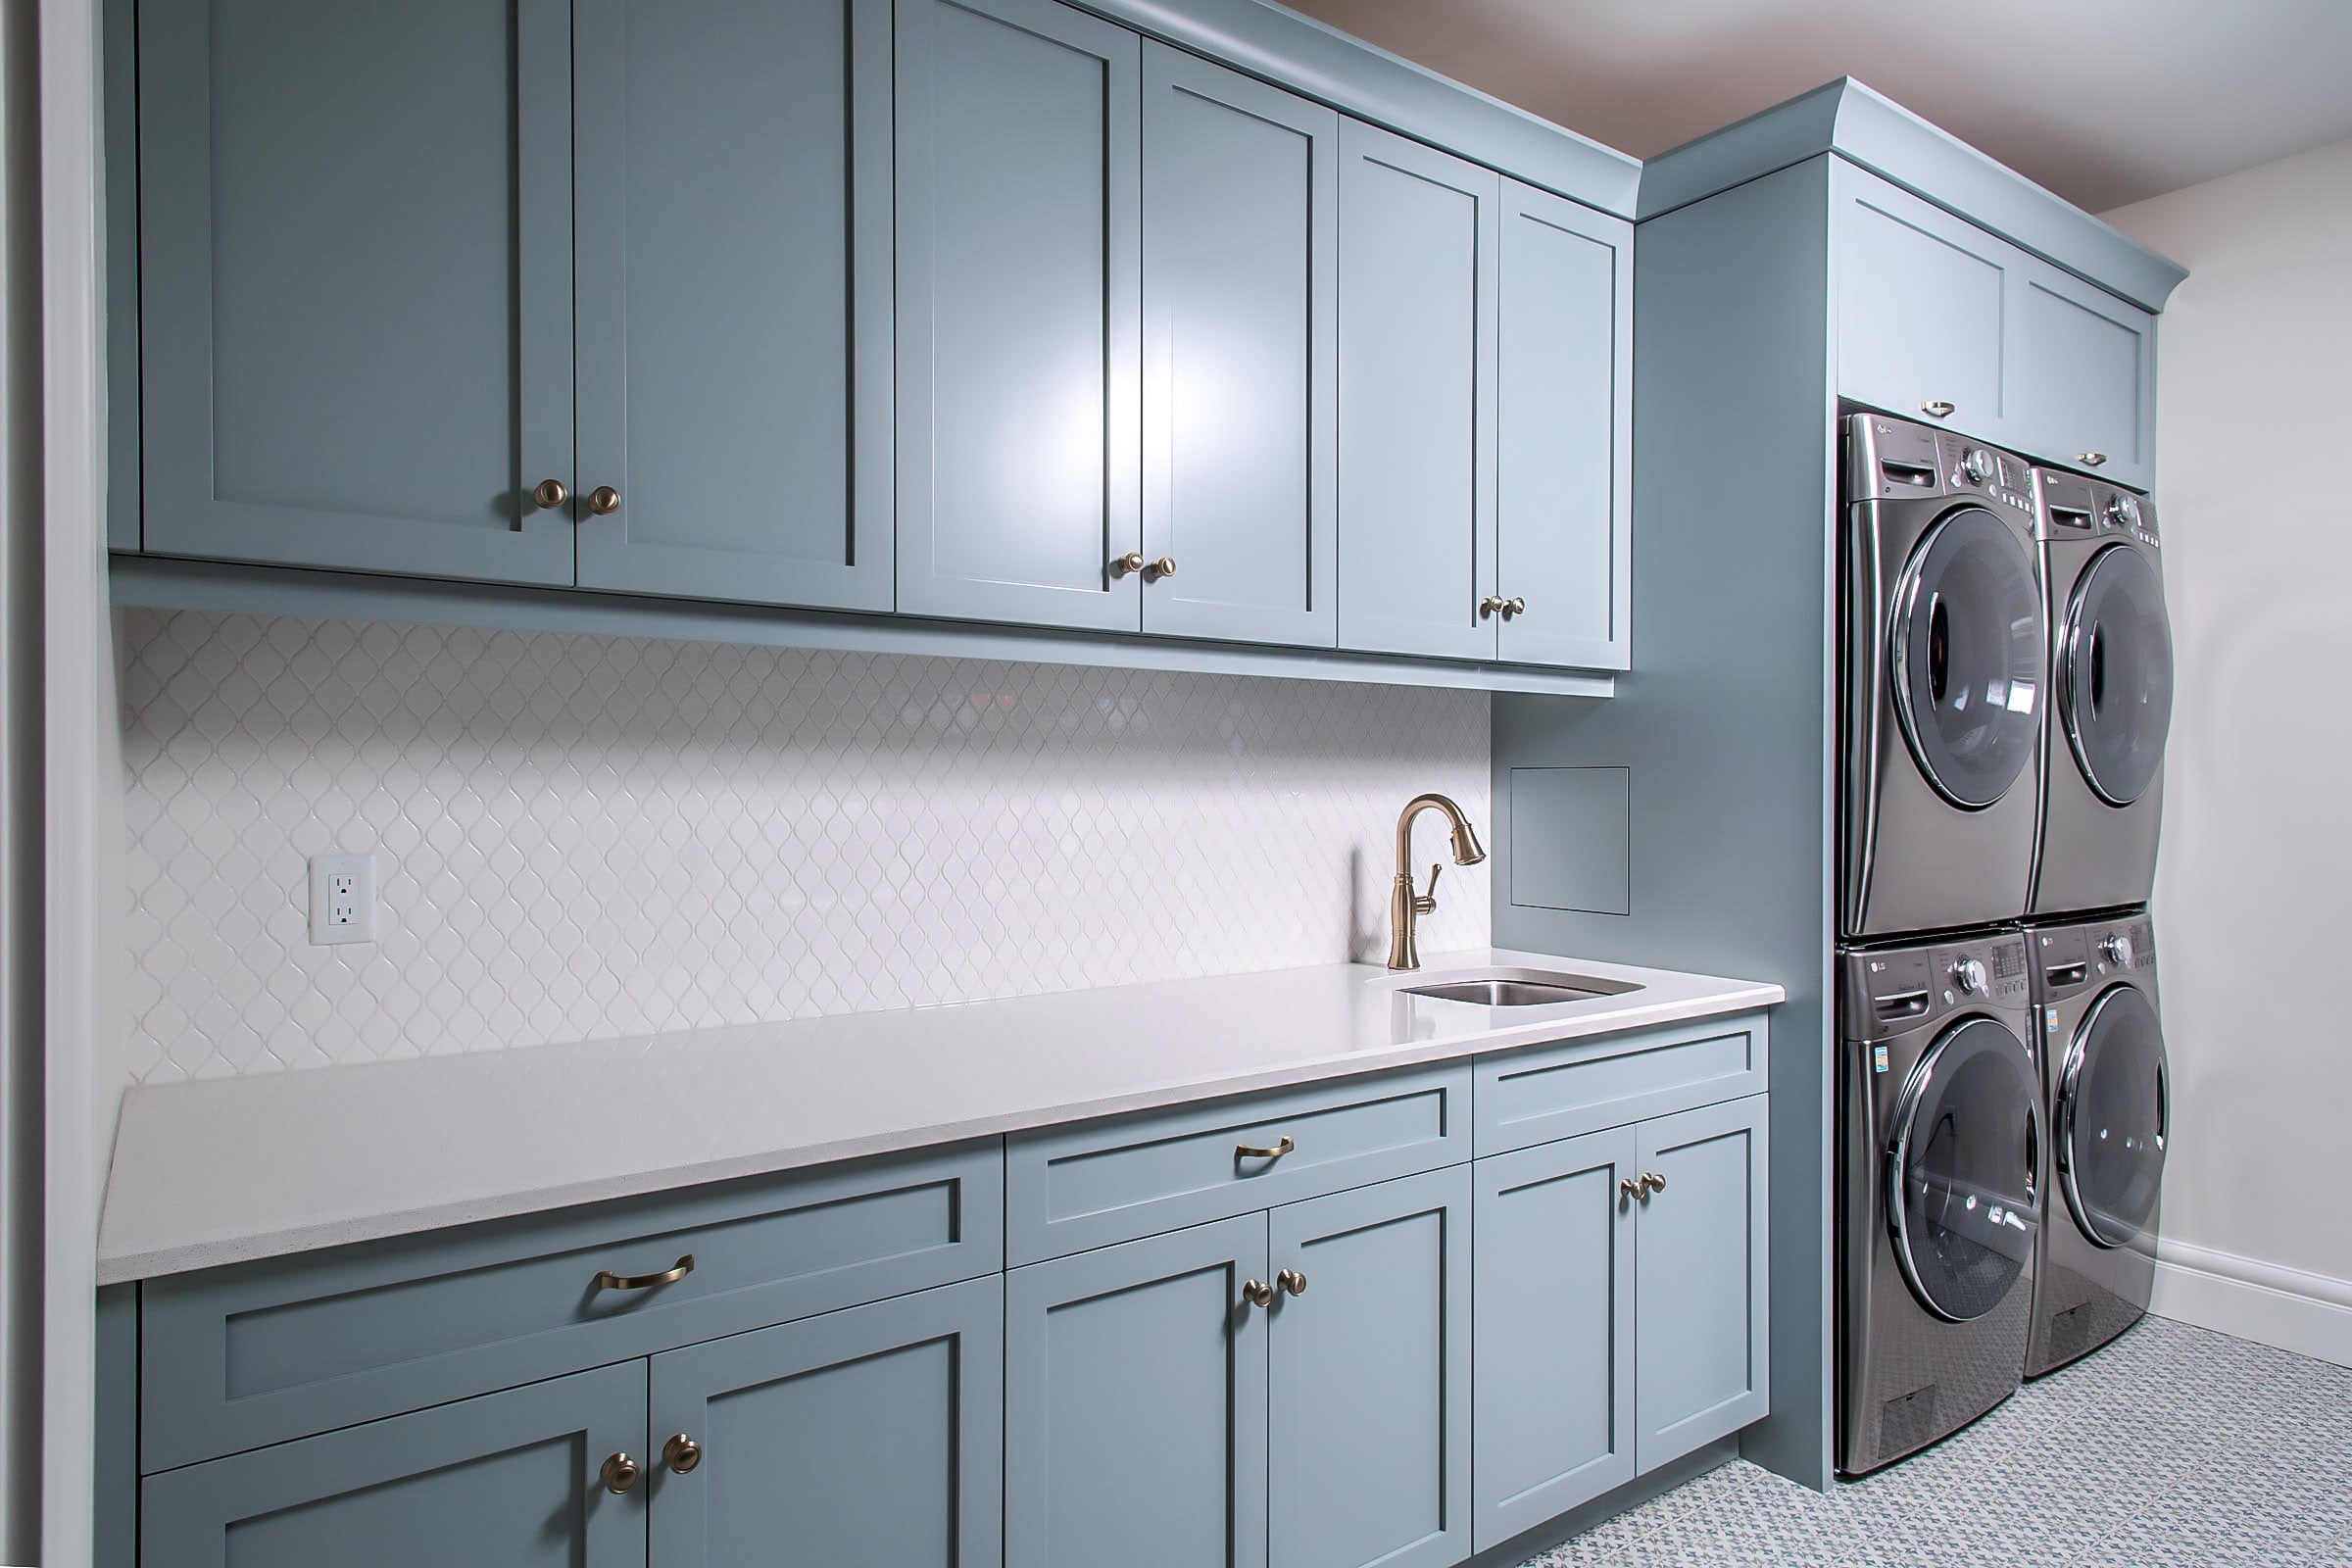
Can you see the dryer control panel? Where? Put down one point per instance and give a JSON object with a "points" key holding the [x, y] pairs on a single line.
{"points": [[2067, 505], [1897, 990], [2070, 959], [1889, 458]]}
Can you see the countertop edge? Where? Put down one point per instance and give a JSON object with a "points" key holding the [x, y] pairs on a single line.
{"points": [[152, 1262]]}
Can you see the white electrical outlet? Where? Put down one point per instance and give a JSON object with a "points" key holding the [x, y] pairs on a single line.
{"points": [[342, 899]]}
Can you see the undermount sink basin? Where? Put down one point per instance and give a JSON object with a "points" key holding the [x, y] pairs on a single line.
{"points": [[1526, 988]]}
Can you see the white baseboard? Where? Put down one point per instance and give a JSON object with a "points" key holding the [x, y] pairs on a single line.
{"points": [[2295, 1310]]}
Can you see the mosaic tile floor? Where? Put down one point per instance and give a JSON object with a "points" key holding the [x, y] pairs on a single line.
{"points": [[2173, 1447]]}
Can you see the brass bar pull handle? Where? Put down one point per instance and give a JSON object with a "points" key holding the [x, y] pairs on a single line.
{"points": [[620, 1474], [681, 1453], [606, 1279], [549, 494], [1257, 1292], [1291, 1281], [1131, 562], [1246, 1151], [1939, 409], [2094, 459]]}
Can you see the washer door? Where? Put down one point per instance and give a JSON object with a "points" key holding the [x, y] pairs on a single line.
{"points": [[2113, 1114], [2115, 674], [1961, 1170], [1966, 656]]}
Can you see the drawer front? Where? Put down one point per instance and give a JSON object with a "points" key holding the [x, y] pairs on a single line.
{"points": [[1114, 1182], [1553, 1091], [239, 1356]]}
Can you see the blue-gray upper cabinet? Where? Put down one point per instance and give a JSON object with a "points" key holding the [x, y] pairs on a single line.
{"points": [[2086, 377], [355, 263], [733, 234], [1418, 262], [1240, 356], [1369, 1413], [1135, 1404], [1701, 1276], [1019, 314], [1563, 491], [1923, 308], [866, 1437], [1555, 1328], [511, 1480]]}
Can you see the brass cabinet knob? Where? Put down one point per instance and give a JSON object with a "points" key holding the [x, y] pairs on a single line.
{"points": [[620, 1473], [1292, 1282], [1938, 409], [681, 1453], [549, 494], [1165, 567], [1514, 606], [1632, 1189], [1252, 1151], [2091, 460], [1489, 605], [1654, 1181], [1131, 562], [1257, 1292], [603, 500]]}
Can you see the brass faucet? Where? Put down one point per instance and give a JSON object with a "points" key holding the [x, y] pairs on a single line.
{"points": [[1404, 905]]}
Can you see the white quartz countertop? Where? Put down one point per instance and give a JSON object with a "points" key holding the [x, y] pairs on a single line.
{"points": [[228, 1169]]}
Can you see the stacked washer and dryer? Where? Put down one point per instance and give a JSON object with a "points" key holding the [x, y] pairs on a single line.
{"points": [[2005, 691]]}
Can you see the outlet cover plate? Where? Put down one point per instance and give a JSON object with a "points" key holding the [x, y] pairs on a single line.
{"points": [[342, 899]]}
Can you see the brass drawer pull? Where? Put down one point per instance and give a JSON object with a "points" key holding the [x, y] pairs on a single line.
{"points": [[1246, 1151], [1257, 1292], [606, 1279], [619, 1473], [2093, 459], [1939, 409], [1291, 1281]]}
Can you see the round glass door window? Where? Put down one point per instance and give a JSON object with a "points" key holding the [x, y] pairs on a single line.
{"points": [[2115, 674], [1966, 656], [2112, 1113], [1961, 1172]]}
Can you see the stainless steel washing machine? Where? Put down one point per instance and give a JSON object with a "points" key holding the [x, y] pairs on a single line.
{"points": [[2109, 1103], [1941, 671], [2110, 681], [1939, 1153]]}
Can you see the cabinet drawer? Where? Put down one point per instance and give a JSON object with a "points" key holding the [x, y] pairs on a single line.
{"points": [[1550, 1091], [1115, 1181], [253, 1354]]}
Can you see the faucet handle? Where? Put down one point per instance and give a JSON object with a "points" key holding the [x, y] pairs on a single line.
{"points": [[1426, 903]]}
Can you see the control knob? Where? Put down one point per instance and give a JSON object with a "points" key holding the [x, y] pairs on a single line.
{"points": [[1970, 976], [2118, 947], [1976, 465], [2122, 511]]}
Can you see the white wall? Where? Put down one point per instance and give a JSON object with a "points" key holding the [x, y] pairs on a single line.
{"points": [[2252, 920], [584, 837]]}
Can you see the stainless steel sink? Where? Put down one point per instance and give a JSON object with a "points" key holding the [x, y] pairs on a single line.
{"points": [[1521, 989]]}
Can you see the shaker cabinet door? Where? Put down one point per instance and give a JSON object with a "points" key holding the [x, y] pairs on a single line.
{"points": [[1563, 474], [734, 309], [1702, 1268], [868, 1438], [355, 264], [2086, 370], [1417, 388], [1369, 1415], [1241, 395], [506, 1481], [1135, 1404], [1019, 313], [1555, 1328]]}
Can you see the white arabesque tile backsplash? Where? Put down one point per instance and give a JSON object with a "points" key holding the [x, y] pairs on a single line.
{"points": [[582, 837]]}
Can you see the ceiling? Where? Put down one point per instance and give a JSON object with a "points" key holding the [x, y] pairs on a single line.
{"points": [[2103, 101]]}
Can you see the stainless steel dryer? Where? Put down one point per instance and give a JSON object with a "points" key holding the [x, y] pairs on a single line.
{"points": [[2111, 696], [2109, 1111], [1939, 1153], [1942, 673]]}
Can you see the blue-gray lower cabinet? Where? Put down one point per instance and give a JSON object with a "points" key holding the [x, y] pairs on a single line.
{"points": [[1369, 1412], [504, 1480], [865, 1437], [1701, 1277], [1556, 1383], [1135, 1404], [354, 284]]}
